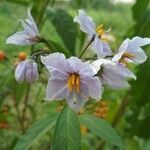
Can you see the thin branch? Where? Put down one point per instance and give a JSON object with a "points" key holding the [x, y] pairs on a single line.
{"points": [[87, 46]]}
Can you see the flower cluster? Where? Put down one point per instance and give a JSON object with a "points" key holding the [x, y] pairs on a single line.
{"points": [[76, 80]]}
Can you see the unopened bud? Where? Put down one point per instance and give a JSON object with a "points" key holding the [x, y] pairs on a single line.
{"points": [[26, 71]]}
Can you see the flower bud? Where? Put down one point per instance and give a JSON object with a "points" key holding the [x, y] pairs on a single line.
{"points": [[26, 71]]}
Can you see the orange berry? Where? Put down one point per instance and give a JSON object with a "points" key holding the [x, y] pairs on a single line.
{"points": [[2, 55], [22, 56]]}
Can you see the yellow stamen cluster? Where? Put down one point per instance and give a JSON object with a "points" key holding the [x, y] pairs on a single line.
{"points": [[126, 55], [101, 31], [74, 82]]}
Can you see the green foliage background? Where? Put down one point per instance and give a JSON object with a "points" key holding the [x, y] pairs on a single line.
{"points": [[55, 19]]}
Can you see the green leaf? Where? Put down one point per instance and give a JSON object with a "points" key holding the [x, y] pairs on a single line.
{"points": [[20, 2], [60, 49], [67, 132], [65, 27], [139, 117], [102, 129], [37, 129], [139, 8]]}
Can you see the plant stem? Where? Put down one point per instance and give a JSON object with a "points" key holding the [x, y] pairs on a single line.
{"points": [[48, 43], [87, 46], [25, 106], [17, 110], [121, 110]]}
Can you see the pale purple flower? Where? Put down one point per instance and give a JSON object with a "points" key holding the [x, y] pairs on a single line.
{"points": [[100, 43], [26, 71], [71, 79], [30, 34], [112, 74], [131, 51]]}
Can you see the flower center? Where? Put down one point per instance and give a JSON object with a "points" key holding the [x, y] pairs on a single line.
{"points": [[126, 55], [74, 82], [101, 32]]}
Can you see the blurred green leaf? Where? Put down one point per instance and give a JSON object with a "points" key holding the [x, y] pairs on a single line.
{"points": [[65, 27], [139, 8], [38, 11], [67, 131], [102, 129], [60, 49], [20, 2], [20, 90], [139, 117], [38, 128], [141, 14]]}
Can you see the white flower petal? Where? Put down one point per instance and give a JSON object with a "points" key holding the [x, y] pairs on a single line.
{"points": [[102, 49], [20, 71], [124, 45], [114, 81], [83, 68], [139, 56], [86, 23], [94, 86], [19, 38], [56, 90], [133, 47], [56, 61], [31, 72], [76, 101], [118, 56], [96, 65], [123, 71], [137, 42], [28, 36], [32, 22]]}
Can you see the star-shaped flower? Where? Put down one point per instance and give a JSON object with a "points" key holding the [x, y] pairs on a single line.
{"points": [[99, 35], [30, 35], [112, 74], [131, 51], [71, 79]]}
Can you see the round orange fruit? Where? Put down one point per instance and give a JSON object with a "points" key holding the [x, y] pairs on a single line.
{"points": [[2, 55], [22, 56]]}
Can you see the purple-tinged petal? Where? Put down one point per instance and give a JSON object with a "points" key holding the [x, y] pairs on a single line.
{"points": [[76, 101], [83, 68], [20, 71], [56, 89], [102, 49], [56, 61], [94, 86], [86, 23]]}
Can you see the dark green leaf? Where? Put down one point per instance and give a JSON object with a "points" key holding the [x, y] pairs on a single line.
{"points": [[139, 8], [65, 27], [67, 132], [102, 129], [139, 117], [37, 129]]}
